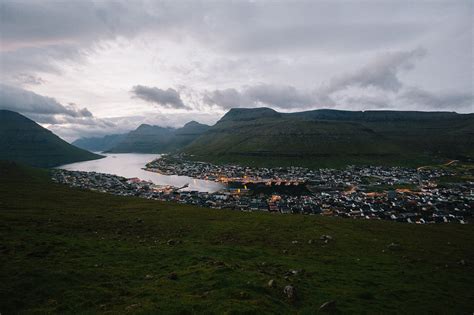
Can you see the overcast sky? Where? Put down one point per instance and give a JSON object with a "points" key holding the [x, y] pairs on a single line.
{"points": [[86, 68]]}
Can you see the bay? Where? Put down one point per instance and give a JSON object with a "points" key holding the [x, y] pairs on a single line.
{"points": [[130, 165]]}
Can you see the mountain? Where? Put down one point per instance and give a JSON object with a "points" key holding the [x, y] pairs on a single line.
{"points": [[246, 114], [144, 139], [187, 134], [99, 144], [24, 141], [156, 139], [333, 138]]}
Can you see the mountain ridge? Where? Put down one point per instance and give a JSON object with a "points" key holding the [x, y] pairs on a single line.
{"points": [[23, 140], [156, 139], [334, 138]]}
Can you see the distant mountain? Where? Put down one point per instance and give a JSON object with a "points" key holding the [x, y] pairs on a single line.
{"points": [[24, 141], [99, 144], [156, 139], [144, 139], [328, 138]]}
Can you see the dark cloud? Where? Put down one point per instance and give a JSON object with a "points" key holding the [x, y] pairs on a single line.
{"points": [[377, 86], [232, 27], [169, 98], [27, 102], [280, 96], [381, 73], [418, 98], [226, 99], [38, 23], [67, 119], [37, 35]]}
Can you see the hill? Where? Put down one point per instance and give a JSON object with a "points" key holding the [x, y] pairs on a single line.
{"points": [[156, 139], [99, 144], [23, 140], [333, 138], [67, 250]]}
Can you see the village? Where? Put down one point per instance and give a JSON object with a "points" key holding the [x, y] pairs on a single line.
{"points": [[389, 193]]}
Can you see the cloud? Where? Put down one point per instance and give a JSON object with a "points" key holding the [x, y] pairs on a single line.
{"points": [[381, 73], [416, 97], [36, 28], [169, 98], [226, 99], [27, 102], [280, 96], [45, 23], [68, 119], [375, 85], [28, 79]]}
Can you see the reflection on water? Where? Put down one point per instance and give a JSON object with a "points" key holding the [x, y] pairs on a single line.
{"points": [[130, 165]]}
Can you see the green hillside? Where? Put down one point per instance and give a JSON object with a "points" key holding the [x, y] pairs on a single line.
{"points": [[330, 138], [156, 139], [23, 140], [68, 251]]}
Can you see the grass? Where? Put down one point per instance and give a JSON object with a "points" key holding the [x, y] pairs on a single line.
{"points": [[270, 139], [65, 250]]}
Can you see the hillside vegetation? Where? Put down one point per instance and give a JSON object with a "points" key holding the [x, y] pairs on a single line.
{"points": [[23, 140], [65, 250], [331, 138]]}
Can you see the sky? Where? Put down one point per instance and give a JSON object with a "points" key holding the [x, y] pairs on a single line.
{"points": [[90, 68]]}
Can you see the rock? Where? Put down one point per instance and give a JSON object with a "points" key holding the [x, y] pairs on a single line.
{"points": [[294, 242], [290, 292], [148, 277], [271, 283], [462, 262], [328, 306], [310, 242], [285, 251], [173, 276], [326, 238], [171, 242]]}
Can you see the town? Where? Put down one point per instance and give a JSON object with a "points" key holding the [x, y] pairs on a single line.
{"points": [[390, 193]]}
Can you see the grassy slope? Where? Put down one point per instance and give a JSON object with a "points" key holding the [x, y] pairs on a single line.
{"points": [[306, 141], [70, 251]]}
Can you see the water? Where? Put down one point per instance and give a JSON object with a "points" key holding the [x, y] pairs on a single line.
{"points": [[130, 165]]}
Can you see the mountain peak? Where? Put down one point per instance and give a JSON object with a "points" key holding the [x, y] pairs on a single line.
{"points": [[241, 114], [192, 123], [31, 144]]}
